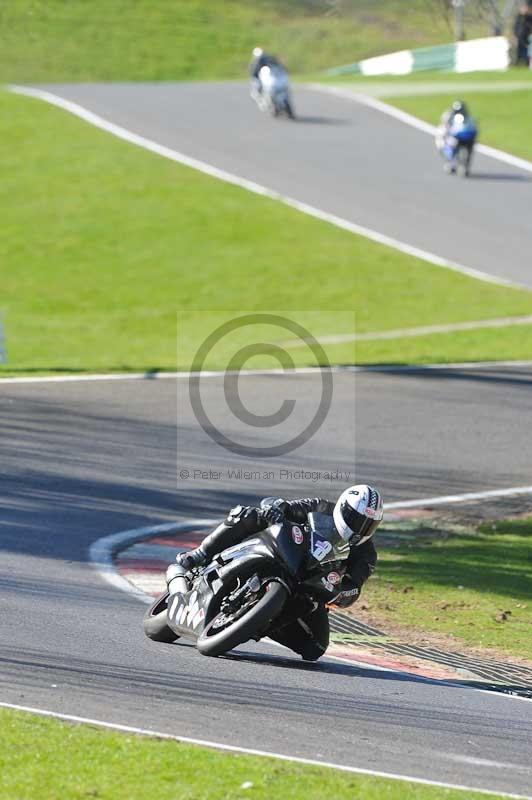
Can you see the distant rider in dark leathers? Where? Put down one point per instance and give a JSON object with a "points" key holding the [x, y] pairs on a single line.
{"points": [[259, 60], [356, 514]]}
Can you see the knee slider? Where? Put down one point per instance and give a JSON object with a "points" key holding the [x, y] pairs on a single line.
{"points": [[311, 651]]}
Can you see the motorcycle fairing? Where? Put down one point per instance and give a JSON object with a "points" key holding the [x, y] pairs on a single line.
{"points": [[189, 613], [186, 612]]}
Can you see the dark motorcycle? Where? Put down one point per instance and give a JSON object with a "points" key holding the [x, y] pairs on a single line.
{"points": [[271, 91], [253, 589]]}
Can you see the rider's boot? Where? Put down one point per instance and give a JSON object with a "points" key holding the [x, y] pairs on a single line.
{"points": [[194, 558], [241, 522], [176, 580]]}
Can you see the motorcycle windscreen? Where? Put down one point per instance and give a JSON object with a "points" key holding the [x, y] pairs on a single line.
{"points": [[326, 543]]}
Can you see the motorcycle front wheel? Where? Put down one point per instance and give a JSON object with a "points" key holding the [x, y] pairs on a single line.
{"points": [[156, 622], [227, 631], [289, 110]]}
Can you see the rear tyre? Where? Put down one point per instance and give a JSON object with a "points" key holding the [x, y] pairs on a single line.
{"points": [[216, 640], [156, 622]]}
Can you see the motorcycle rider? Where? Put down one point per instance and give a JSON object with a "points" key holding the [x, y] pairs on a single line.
{"points": [[457, 112], [260, 59], [356, 514]]}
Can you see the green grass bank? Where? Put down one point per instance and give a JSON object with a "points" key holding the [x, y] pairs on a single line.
{"points": [[473, 585], [76, 40], [105, 246]]}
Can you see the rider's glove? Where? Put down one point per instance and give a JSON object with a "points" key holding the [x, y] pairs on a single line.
{"points": [[348, 594], [194, 558], [274, 513]]}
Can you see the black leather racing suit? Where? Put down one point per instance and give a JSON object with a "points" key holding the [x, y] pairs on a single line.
{"points": [[262, 61], [308, 632]]}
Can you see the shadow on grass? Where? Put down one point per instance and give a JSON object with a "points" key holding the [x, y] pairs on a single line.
{"points": [[500, 562]]}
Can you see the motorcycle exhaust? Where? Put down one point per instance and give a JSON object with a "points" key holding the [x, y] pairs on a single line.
{"points": [[175, 577]]}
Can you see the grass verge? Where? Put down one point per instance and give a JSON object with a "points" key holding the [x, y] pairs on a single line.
{"points": [[72, 762], [105, 245], [423, 81], [55, 40], [473, 585]]}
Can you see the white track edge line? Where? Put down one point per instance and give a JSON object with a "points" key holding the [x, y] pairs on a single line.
{"points": [[256, 188], [421, 330], [251, 752], [101, 552], [415, 122], [451, 499], [135, 376]]}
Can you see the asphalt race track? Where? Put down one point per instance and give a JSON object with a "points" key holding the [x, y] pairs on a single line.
{"points": [[341, 157], [83, 460]]}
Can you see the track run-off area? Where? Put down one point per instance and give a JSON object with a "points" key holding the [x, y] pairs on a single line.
{"points": [[84, 459]]}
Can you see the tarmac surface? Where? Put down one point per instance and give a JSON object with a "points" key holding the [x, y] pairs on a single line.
{"points": [[84, 460], [341, 157]]}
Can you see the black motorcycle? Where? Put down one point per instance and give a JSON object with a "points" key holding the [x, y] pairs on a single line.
{"points": [[253, 589]]}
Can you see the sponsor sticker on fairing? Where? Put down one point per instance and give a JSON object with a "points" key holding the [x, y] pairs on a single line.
{"points": [[333, 578], [321, 549], [297, 535]]}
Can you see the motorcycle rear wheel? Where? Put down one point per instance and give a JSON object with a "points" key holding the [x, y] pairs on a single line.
{"points": [[156, 621], [214, 642]]}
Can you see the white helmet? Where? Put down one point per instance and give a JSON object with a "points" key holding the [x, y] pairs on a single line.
{"points": [[257, 52], [358, 513]]}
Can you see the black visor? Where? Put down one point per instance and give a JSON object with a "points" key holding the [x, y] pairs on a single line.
{"points": [[363, 527]]}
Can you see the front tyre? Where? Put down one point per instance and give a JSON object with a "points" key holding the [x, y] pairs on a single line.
{"points": [[225, 632], [156, 621], [463, 159]]}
